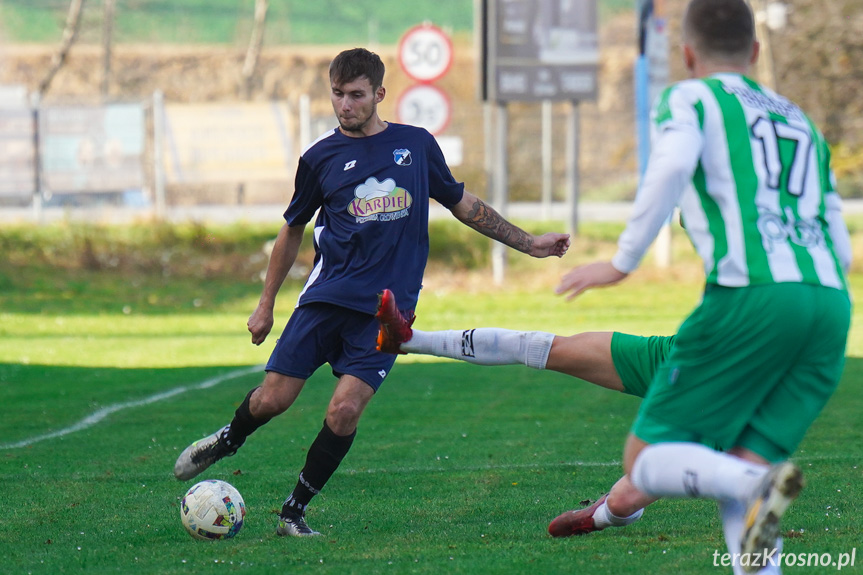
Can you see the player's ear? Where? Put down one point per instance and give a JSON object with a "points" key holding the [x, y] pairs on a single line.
{"points": [[756, 50], [379, 94], [689, 58]]}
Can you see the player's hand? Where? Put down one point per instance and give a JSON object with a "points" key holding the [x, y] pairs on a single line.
{"points": [[584, 277], [260, 323], [550, 244]]}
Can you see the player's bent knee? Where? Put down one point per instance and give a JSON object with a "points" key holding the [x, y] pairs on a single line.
{"points": [[343, 417], [266, 404]]}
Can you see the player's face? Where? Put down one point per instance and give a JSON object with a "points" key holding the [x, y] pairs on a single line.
{"points": [[355, 104]]}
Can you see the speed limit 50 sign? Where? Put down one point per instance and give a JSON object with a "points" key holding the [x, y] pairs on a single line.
{"points": [[425, 53]]}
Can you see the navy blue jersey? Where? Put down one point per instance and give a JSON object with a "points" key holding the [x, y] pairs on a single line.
{"points": [[371, 231]]}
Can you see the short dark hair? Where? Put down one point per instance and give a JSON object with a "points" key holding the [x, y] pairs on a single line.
{"points": [[353, 64], [720, 29]]}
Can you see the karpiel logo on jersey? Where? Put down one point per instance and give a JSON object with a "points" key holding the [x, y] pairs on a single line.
{"points": [[402, 156], [380, 201]]}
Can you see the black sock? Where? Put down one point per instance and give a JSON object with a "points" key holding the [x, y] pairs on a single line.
{"points": [[244, 423], [322, 460]]}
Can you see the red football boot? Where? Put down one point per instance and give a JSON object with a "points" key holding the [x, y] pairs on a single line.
{"points": [[576, 522], [395, 328]]}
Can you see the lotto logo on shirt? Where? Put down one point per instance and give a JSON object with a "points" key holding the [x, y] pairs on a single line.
{"points": [[380, 201]]}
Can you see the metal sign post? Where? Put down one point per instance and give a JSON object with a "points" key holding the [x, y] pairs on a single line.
{"points": [[572, 174], [500, 187]]}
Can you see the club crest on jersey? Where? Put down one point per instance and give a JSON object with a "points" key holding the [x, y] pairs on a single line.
{"points": [[402, 156], [379, 201]]}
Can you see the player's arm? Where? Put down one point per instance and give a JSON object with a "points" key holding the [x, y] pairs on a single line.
{"points": [[282, 259], [476, 214], [835, 222], [837, 229]]}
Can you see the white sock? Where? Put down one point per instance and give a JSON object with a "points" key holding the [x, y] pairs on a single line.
{"points": [[484, 346], [693, 470], [732, 513], [603, 517]]}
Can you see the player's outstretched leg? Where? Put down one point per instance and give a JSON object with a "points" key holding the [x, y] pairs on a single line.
{"points": [[481, 346], [779, 487], [395, 328], [577, 522], [203, 453]]}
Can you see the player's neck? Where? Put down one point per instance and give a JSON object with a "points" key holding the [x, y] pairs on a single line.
{"points": [[706, 68], [701, 65], [374, 126], [724, 70]]}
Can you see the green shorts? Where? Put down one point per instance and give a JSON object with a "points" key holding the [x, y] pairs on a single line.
{"points": [[750, 367], [637, 358]]}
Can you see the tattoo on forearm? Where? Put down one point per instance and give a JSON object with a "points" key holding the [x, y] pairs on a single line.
{"points": [[487, 221]]}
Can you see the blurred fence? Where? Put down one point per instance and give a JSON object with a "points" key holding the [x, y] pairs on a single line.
{"points": [[130, 154], [70, 149]]}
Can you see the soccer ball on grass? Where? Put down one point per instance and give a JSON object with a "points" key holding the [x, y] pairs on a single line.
{"points": [[212, 509]]}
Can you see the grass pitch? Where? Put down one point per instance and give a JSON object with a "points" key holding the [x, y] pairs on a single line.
{"points": [[456, 468]]}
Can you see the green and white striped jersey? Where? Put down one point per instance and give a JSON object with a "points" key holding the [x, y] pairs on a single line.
{"points": [[751, 175]]}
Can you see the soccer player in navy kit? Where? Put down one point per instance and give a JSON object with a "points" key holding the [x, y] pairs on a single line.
{"points": [[370, 182]]}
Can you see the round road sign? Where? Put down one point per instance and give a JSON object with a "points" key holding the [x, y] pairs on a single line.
{"points": [[425, 53], [425, 106]]}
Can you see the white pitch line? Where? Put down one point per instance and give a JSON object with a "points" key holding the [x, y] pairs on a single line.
{"points": [[101, 414], [471, 468], [455, 467]]}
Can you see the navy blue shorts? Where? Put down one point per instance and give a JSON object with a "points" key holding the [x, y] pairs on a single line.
{"points": [[320, 333]]}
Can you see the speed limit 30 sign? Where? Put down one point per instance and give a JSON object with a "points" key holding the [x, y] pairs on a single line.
{"points": [[425, 106], [425, 53]]}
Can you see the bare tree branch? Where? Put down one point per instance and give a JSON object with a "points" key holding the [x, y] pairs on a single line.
{"points": [[256, 42], [108, 7], [73, 22]]}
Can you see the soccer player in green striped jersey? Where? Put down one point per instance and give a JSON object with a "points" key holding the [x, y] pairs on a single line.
{"points": [[757, 360]]}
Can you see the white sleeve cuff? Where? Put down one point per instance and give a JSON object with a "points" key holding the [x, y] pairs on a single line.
{"points": [[625, 263]]}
